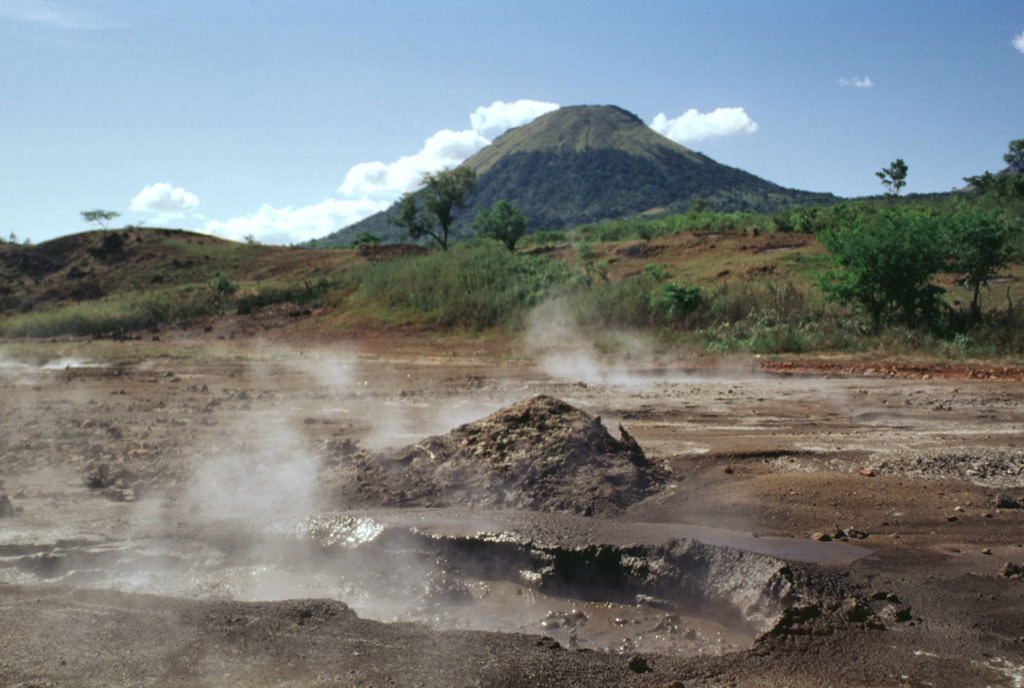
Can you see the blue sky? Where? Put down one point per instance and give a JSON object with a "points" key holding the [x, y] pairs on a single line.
{"points": [[288, 120]]}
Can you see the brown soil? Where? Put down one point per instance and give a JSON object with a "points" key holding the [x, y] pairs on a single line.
{"points": [[921, 471]]}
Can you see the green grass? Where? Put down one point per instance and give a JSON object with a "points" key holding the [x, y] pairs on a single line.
{"points": [[475, 285]]}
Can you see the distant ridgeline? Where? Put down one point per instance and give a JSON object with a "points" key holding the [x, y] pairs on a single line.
{"points": [[584, 164]]}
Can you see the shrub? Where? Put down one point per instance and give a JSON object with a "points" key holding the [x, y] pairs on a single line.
{"points": [[885, 260]]}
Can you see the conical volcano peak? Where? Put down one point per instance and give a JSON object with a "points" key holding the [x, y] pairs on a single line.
{"points": [[580, 128], [588, 163]]}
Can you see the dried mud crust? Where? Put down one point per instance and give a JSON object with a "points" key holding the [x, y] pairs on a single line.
{"points": [[939, 544], [540, 454], [953, 371]]}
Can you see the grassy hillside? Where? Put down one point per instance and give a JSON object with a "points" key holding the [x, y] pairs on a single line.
{"points": [[702, 280]]}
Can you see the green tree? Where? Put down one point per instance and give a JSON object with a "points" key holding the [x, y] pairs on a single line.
{"points": [[430, 211], [979, 247], [1015, 158], [364, 240], [894, 177], [885, 260], [100, 217], [503, 222]]}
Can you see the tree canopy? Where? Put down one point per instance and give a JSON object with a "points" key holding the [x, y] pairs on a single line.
{"points": [[431, 210], [894, 177], [503, 222], [100, 217]]}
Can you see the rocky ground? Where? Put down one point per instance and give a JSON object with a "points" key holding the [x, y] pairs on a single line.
{"points": [[867, 526]]}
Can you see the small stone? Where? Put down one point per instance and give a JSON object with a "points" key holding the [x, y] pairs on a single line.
{"points": [[1010, 570], [987, 550], [728, 470], [951, 519], [821, 537], [638, 664], [958, 509], [853, 610], [867, 472], [1004, 501]]}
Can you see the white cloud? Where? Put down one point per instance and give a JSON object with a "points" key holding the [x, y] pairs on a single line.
{"points": [[163, 198], [1018, 41], [446, 148], [859, 83], [293, 225], [38, 12], [694, 126], [498, 117], [370, 187]]}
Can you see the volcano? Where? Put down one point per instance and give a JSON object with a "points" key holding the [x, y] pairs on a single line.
{"points": [[588, 163]]}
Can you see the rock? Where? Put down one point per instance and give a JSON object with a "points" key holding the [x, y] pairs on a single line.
{"points": [[1010, 570], [896, 613], [638, 664], [867, 472], [821, 537], [854, 610], [540, 454], [1004, 501], [6, 508], [97, 475], [987, 551]]}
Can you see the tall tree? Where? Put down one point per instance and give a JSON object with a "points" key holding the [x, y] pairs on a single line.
{"points": [[981, 245], [431, 210], [894, 177], [1015, 158]]}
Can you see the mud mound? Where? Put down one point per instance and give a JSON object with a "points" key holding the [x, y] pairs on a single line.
{"points": [[540, 454]]}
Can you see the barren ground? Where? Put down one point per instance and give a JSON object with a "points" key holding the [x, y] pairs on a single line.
{"points": [[151, 496]]}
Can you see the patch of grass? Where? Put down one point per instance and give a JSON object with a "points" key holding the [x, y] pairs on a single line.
{"points": [[474, 286], [120, 313]]}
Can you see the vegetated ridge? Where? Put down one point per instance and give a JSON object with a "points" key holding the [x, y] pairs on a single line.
{"points": [[584, 164]]}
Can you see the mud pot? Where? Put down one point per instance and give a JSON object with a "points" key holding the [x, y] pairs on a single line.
{"points": [[616, 524]]}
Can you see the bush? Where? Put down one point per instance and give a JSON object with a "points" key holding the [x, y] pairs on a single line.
{"points": [[675, 301], [885, 260]]}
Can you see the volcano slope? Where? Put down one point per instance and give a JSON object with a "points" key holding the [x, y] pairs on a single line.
{"points": [[109, 471]]}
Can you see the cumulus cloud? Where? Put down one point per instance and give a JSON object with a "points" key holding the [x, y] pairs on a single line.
{"points": [[446, 148], [293, 225], [163, 198], [498, 117], [1018, 41], [858, 83], [695, 126], [371, 187]]}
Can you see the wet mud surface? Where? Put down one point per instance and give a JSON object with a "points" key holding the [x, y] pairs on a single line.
{"points": [[313, 518]]}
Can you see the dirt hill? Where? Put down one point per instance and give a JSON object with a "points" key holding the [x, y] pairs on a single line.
{"points": [[541, 454]]}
